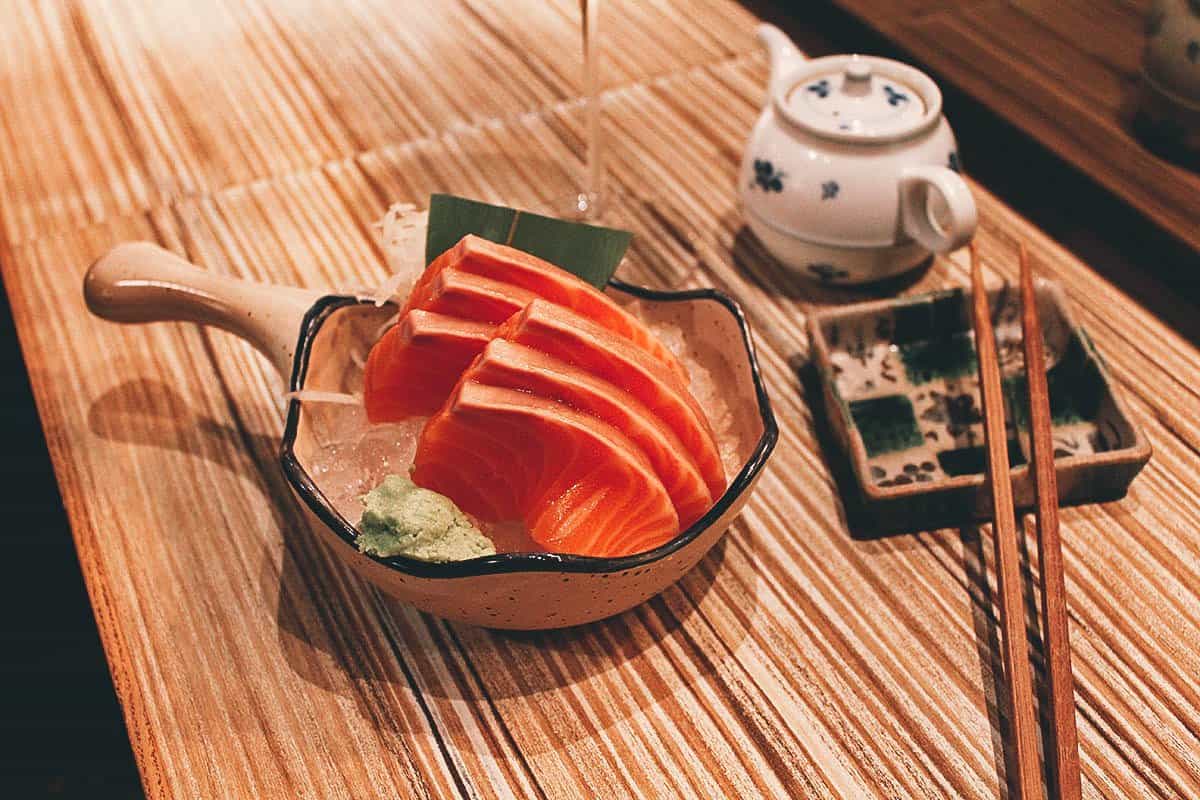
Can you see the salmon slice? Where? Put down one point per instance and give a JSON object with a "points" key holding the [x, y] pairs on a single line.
{"points": [[514, 366], [473, 297], [578, 483], [413, 367], [561, 333], [479, 256]]}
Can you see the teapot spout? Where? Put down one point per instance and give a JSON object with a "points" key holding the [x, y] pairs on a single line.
{"points": [[781, 52]]}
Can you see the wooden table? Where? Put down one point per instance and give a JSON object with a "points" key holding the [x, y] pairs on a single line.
{"points": [[263, 139], [1066, 72]]}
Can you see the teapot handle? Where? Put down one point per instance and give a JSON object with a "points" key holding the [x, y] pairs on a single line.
{"points": [[781, 53], [921, 189]]}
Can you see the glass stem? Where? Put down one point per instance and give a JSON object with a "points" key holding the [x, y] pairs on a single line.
{"points": [[594, 175]]}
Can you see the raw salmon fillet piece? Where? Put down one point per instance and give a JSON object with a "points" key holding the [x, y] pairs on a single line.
{"points": [[561, 333], [579, 484], [413, 367], [514, 366], [473, 297], [479, 256]]}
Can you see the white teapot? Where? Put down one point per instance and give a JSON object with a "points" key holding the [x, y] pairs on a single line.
{"points": [[851, 173]]}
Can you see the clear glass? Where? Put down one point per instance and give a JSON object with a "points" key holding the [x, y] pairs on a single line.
{"points": [[586, 202], [594, 170]]}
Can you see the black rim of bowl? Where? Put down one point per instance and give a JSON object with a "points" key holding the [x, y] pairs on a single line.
{"points": [[502, 563]]}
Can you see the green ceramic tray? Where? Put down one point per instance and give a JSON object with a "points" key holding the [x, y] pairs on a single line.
{"points": [[902, 396]]}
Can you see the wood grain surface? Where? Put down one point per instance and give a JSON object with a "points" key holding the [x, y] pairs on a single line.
{"points": [[1064, 71], [263, 140]]}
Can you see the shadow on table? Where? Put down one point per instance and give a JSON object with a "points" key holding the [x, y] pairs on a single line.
{"points": [[862, 526], [317, 601], [591, 654], [991, 656], [529, 679], [338, 633], [755, 262], [865, 527]]}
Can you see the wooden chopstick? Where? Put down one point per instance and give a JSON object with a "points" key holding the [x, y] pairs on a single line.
{"points": [[1054, 605], [1012, 602]]}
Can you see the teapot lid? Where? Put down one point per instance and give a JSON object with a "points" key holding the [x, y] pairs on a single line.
{"points": [[859, 98]]}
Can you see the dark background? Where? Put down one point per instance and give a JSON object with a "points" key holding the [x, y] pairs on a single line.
{"points": [[61, 730]]}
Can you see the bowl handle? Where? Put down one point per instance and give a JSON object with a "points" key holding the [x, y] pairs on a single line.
{"points": [[957, 225], [141, 282]]}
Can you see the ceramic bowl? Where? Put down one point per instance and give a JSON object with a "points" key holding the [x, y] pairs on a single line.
{"points": [[851, 172], [312, 338], [901, 391]]}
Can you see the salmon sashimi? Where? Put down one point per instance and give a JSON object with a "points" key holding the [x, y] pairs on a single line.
{"points": [[414, 366], [515, 366], [411, 375], [561, 333], [579, 484], [474, 297], [479, 256]]}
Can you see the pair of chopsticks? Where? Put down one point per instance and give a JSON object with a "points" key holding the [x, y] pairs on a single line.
{"points": [[1012, 604]]}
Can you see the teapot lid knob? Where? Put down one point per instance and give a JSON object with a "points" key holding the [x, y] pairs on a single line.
{"points": [[858, 78], [858, 70]]}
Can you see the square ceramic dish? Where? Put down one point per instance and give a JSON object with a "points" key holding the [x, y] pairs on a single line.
{"points": [[902, 396]]}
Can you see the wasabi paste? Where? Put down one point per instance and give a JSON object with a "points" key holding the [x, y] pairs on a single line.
{"points": [[402, 519]]}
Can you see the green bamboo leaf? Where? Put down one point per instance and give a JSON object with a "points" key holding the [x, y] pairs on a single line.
{"points": [[589, 251]]}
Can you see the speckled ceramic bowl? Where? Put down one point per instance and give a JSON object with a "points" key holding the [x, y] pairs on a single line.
{"points": [[901, 392], [311, 337]]}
